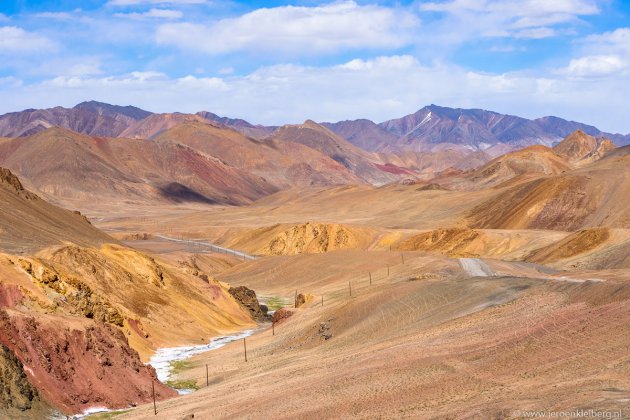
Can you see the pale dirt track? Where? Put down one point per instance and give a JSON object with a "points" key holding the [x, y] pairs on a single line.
{"points": [[475, 267], [202, 245]]}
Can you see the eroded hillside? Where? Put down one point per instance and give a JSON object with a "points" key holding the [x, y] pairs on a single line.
{"points": [[80, 313]]}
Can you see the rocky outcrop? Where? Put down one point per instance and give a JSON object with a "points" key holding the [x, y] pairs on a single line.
{"points": [[85, 302], [77, 296], [13, 184], [140, 236], [16, 393], [300, 300], [7, 178], [82, 365], [281, 315], [247, 298], [324, 331], [451, 241], [314, 238]]}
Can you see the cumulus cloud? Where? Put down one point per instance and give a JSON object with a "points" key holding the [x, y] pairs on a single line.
{"points": [[299, 30], [602, 54], [615, 41], [379, 89], [16, 40], [596, 65], [509, 18]]}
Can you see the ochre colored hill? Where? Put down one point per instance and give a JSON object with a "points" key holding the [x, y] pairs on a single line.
{"points": [[92, 310], [592, 196], [29, 223], [79, 316], [155, 124], [588, 249], [283, 164], [575, 244], [580, 148], [533, 160], [465, 242], [70, 166], [429, 164], [304, 238], [318, 137]]}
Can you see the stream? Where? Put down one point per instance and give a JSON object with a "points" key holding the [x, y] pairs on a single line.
{"points": [[163, 357], [161, 362]]}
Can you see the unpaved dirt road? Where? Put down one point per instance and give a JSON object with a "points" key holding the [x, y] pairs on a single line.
{"points": [[210, 246], [475, 267]]}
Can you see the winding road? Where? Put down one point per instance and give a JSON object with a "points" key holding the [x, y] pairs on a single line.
{"points": [[208, 245]]}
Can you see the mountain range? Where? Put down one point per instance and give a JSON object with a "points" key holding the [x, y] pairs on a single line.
{"points": [[94, 149], [429, 129]]}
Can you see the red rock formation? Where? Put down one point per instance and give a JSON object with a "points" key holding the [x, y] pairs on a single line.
{"points": [[281, 315], [83, 365]]}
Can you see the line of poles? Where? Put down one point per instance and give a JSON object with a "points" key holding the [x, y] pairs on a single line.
{"points": [[273, 323]]}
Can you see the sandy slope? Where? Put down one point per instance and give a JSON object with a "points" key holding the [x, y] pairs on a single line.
{"points": [[29, 223], [457, 346]]}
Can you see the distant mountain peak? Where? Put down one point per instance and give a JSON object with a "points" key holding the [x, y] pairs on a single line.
{"points": [[103, 108]]}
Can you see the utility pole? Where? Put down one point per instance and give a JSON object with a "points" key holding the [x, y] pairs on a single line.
{"points": [[153, 392]]}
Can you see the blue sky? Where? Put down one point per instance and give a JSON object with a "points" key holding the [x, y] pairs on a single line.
{"points": [[275, 62]]}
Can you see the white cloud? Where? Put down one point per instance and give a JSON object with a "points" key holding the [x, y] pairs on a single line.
{"points": [[508, 18], [144, 76], [535, 33], [532, 10], [153, 14], [298, 30], [379, 89], [614, 41], [606, 54], [16, 40], [68, 66], [596, 65]]}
